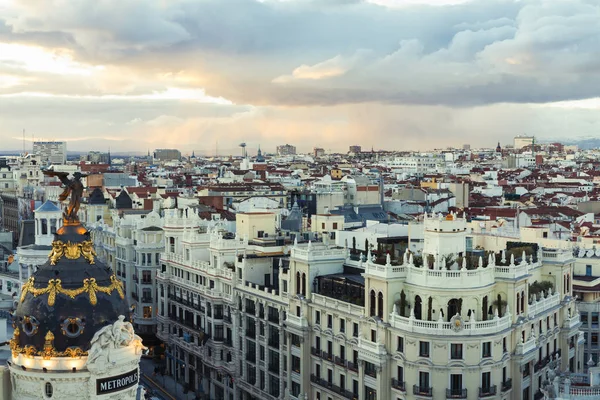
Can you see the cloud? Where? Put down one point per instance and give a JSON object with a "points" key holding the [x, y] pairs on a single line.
{"points": [[237, 69]]}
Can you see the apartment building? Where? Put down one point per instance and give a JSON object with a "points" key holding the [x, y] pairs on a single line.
{"points": [[243, 320], [484, 330], [51, 152]]}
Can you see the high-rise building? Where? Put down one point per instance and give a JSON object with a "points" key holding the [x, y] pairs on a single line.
{"points": [[318, 152], [355, 149], [286, 150], [167, 154], [521, 141], [51, 152]]}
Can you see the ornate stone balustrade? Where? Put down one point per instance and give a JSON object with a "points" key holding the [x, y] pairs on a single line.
{"points": [[450, 279], [339, 305], [460, 328], [543, 305]]}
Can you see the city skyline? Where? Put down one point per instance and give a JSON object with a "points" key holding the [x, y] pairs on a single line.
{"points": [[383, 74]]}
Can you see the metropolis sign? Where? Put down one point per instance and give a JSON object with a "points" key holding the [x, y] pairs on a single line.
{"points": [[116, 383]]}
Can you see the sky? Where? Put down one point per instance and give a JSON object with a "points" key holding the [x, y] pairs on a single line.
{"points": [[206, 75]]}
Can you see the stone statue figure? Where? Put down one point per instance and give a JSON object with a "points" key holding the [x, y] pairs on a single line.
{"points": [[101, 343], [74, 187], [119, 334]]}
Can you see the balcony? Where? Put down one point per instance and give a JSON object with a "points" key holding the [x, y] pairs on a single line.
{"points": [[136, 279], [398, 385], [352, 366], [540, 364], [411, 324], [451, 279], [456, 393], [316, 352], [339, 361], [330, 386], [507, 385], [146, 281], [487, 391], [422, 391], [227, 318], [146, 299]]}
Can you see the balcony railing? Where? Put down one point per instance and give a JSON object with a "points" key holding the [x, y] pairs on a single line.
{"points": [[398, 385], [422, 390], [487, 391], [146, 299], [507, 385], [316, 352], [334, 388], [456, 393]]}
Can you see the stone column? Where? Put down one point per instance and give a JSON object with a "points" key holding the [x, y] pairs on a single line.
{"points": [[361, 379]]}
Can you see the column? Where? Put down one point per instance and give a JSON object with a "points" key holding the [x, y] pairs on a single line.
{"points": [[282, 355], [361, 379]]}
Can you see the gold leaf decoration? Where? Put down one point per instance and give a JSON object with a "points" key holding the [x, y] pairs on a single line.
{"points": [[89, 286], [72, 251]]}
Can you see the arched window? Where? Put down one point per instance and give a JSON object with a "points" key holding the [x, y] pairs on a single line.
{"points": [[380, 305], [372, 303], [418, 307], [453, 308], [568, 283], [303, 284], [298, 284], [522, 301], [518, 303]]}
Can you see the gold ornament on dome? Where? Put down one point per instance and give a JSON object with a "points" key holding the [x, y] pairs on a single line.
{"points": [[72, 251], [47, 352], [58, 250], [89, 286]]}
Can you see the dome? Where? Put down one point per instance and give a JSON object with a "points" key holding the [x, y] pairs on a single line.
{"points": [[67, 300]]}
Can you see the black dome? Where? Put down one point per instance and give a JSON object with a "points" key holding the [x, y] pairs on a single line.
{"points": [[72, 299]]}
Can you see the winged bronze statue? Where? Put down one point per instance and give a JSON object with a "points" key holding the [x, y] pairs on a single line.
{"points": [[74, 187]]}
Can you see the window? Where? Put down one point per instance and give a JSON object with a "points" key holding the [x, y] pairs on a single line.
{"points": [[423, 381], [486, 349], [424, 349], [329, 321], [342, 325], [584, 319], [49, 391], [400, 345], [588, 270], [486, 382], [323, 225], [335, 225], [355, 330], [373, 335], [594, 320], [456, 351], [342, 352], [317, 317]]}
